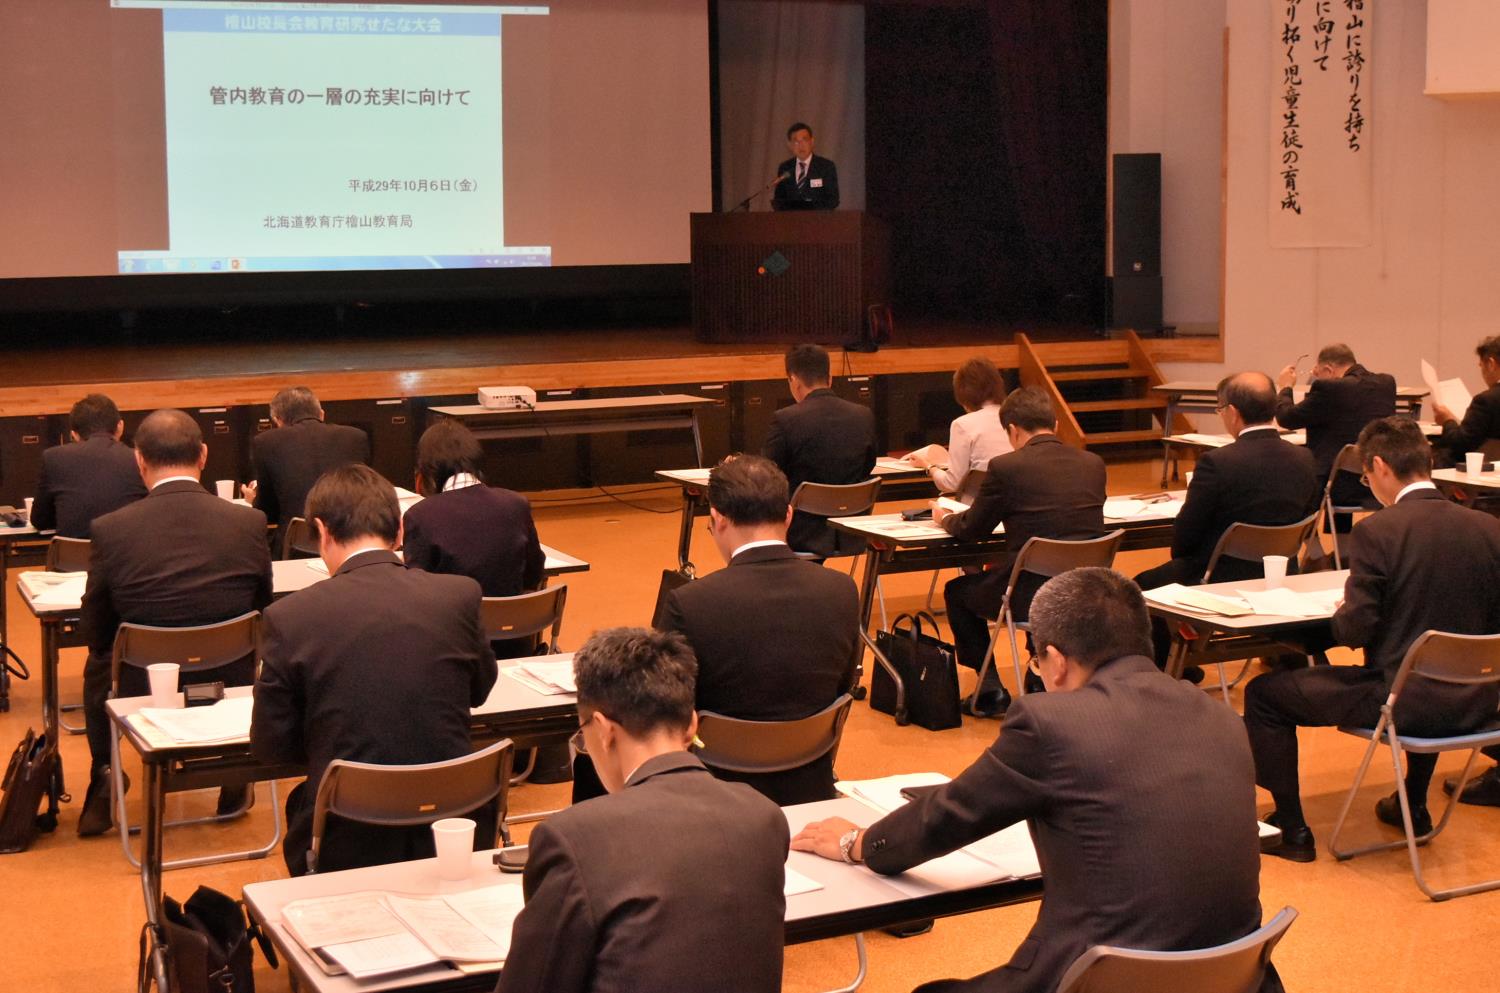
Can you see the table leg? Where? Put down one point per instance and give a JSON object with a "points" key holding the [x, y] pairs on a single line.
{"points": [[4, 628], [151, 842], [57, 790], [685, 531], [697, 438]]}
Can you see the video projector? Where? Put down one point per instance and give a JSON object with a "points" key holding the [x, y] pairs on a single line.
{"points": [[507, 397]]}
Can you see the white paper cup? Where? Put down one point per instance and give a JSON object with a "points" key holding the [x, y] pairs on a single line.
{"points": [[1275, 566], [1187, 478], [163, 677], [225, 488], [1474, 463], [454, 839], [29, 502]]}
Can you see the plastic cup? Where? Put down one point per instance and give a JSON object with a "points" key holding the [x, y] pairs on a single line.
{"points": [[1474, 463], [1187, 478], [225, 488], [29, 502], [1275, 566], [453, 837], [163, 677]]}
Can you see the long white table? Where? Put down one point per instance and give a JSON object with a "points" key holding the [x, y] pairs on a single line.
{"points": [[674, 411], [512, 710], [852, 900]]}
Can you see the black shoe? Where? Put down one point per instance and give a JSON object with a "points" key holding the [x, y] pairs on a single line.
{"points": [[97, 816], [1193, 674], [909, 930], [1388, 811], [235, 800], [993, 703], [1297, 844], [1482, 791]]}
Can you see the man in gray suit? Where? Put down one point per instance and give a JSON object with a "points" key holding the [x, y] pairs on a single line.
{"points": [[1138, 788], [674, 880]]}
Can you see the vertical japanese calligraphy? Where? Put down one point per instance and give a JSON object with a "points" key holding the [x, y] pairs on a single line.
{"points": [[1320, 134]]}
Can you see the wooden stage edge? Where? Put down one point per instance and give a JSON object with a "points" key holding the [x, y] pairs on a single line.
{"points": [[368, 371]]}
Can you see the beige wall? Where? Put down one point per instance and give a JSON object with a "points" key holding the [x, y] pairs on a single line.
{"points": [[1463, 37]]}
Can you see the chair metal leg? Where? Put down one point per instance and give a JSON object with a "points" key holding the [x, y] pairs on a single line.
{"points": [[69, 708], [1015, 653], [864, 967], [885, 623], [986, 664], [1344, 854], [1223, 686], [525, 773], [931, 592], [540, 815]]}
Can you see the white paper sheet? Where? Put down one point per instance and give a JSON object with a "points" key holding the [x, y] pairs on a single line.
{"points": [[893, 465], [381, 956], [797, 883], [904, 529], [1178, 595], [318, 922], [444, 930], [226, 720], [1282, 602], [491, 909], [951, 505], [1451, 393], [55, 589], [1210, 440], [551, 678]]}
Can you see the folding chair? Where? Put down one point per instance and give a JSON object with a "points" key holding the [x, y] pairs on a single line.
{"points": [[1347, 460], [526, 615], [411, 795], [1235, 967], [1251, 543], [1465, 660], [300, 540], [69, 555], [746, 747], [830, 500], [200, 651], [1046, 557]]}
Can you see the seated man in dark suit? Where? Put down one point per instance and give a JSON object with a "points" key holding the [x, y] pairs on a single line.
{"points": [[1256, 479], [1342, 398], [1423, 563], [377, 664], [1137, 788], [179, 558], [808, 181], [1042, 489], [465, 528], [776, 636], [93, 476], [1481, 421], [289, 458], [822, 438], [671, 882]]}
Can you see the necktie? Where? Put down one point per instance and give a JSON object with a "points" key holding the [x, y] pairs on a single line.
{"points": [[801, 172]]}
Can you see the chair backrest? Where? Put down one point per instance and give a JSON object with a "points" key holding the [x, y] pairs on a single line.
{"points": [[1347, 460], [969, 488], [299, 540], [505, 617], [1469, 659], [197, 649], [69, 554], [411, 795], [737, 745], [1236, 967], [1252, 542], [829, 500], [1054, 556]]}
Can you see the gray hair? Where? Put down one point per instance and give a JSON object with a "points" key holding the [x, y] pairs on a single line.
{"points": [[1092, 616], [295, 403]]}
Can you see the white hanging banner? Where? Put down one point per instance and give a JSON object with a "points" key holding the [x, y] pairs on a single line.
{"points": [[1321, 157]]}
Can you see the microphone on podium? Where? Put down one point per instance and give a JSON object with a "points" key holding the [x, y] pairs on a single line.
{"points": [[745, 203]]}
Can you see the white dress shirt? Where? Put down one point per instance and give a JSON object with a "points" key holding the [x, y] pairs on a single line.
{"points": [[973, 440]]}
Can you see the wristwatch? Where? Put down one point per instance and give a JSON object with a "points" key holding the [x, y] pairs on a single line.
{"points": [[846, 846]]}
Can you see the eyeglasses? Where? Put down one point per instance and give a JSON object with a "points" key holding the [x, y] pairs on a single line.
{"points": [[1364, 480], [1035, 665], [577, 743]]}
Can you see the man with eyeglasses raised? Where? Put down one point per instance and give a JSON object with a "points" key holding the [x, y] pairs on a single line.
{"points": [[674, 881]]}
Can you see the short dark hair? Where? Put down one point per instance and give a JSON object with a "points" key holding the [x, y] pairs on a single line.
{"points": [[977, 382], [1336, 354], [169, 438], [643, 680], [355, 501], [295, 403], [1030, 409], [1092, 616], [808, 364], [1400, 444], [445, 450], [95, 412], [799, 126], [1252, 394], [749, 489], [1489, 348]]}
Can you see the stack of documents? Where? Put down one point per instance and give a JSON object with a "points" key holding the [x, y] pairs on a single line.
{"points": [[1283, 602], [894, 465], [897, 528], [373, 933], [54, 589], [797, 884], [1207, 440], [550, 678], [226, 720], [1006, 854], [1177, 595], [1129, 508], [1451, 393]]}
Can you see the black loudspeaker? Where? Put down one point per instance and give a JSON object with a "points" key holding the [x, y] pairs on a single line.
{"points": [[1137, 215], [1135, 303]]}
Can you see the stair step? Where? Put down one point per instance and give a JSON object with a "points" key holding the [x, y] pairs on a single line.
{"points": [[1121, 437], [1127, 403], [1080, 375]]}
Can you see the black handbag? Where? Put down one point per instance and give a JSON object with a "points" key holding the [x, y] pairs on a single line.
{"points": [[27, 778], [207, 943], [928, 673], [671, 579]]}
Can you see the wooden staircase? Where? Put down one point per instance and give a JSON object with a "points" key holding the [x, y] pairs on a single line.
{"points": [[1103, 398]]}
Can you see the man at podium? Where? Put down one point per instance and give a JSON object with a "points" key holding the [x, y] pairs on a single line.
{"points": [[809, 182]]}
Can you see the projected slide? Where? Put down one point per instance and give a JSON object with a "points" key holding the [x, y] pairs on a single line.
{"points": [[317, 136]]}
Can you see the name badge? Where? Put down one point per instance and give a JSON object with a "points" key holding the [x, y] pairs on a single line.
{"points": [[815, 183]]}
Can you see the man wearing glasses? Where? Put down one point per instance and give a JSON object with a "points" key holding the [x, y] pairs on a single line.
{"points": [[1137, 787], [673, 881]]}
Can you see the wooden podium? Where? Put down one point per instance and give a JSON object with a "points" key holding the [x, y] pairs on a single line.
{"points": [[789, 276]]}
